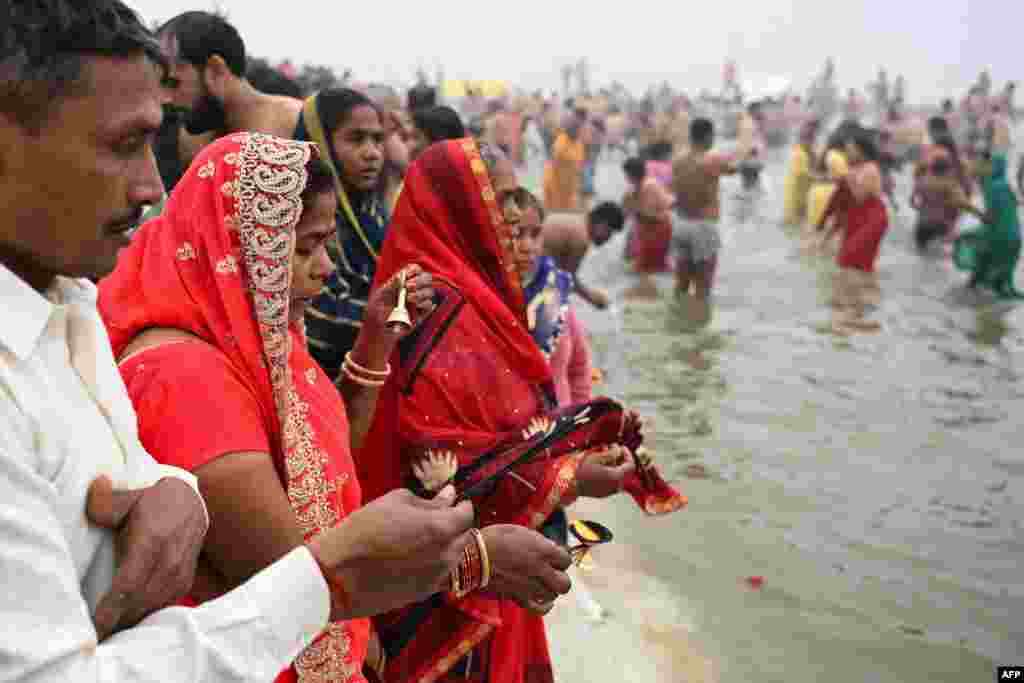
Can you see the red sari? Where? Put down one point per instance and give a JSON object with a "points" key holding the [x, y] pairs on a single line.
{"points": [[471, 381], [865, 223], [217, 264]]}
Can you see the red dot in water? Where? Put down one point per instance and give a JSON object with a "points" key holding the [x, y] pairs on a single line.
{"points": [[755, 581]]}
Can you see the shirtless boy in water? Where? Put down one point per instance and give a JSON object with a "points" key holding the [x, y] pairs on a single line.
{"points": [[695, 182], [568, 236]]}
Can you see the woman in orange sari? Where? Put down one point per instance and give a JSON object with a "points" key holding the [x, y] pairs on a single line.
{"points": [[471, 400], [563, 172]]}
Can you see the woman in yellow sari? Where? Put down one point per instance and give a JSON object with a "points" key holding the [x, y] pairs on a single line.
{"points": [[562, 174], [831, 168], [798, 180]]}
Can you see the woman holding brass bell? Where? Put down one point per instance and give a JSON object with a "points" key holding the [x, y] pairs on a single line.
{"points": [[470, 402]]}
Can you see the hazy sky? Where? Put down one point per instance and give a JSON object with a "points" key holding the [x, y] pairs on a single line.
{"points": [[940, 46]]}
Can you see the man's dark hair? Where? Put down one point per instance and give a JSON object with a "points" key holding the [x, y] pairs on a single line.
{"points": [[702, 132], [269, 80], [947, 142], [422, 96], [865, 139], [635, 169], [937, 125], [659, 151], [608, 213], [44, 45], [201, 35], [439, 123]]}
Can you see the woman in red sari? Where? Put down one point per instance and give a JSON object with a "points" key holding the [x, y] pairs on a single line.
{"points": [[201, 316], [470, 395], [205, 314], [864, 220]]}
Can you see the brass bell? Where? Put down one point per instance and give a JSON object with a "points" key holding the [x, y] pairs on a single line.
{"points": [[399, 321]]}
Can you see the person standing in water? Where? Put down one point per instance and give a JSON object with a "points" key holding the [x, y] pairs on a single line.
{"points": [[938, 209], [563, 173], [831, 168], [939, 199], [1020, 176], [695, 181], [991, 251], [864, 221], [798, 179], [750, 145], [650, 205]]}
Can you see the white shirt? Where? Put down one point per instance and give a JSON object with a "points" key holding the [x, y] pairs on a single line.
{"points": [[65, 418]]}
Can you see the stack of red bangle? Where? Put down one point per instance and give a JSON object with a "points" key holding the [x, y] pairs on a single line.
{"points": [[474, 572]]}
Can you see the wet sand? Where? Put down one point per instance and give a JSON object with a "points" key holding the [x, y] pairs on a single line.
{"points": [[620, 608]]}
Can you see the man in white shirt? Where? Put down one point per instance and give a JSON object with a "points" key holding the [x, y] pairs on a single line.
{"points": [[79, 107]]}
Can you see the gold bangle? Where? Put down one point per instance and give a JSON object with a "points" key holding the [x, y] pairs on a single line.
{"points": [[361, 381], [455, 581], [485, 561], [356, 367]]}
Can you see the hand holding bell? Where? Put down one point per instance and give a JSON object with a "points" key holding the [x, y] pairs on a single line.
{"points": [[399, 321]]}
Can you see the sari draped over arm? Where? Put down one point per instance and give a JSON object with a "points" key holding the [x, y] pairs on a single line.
{"points": [[991, 251], [335, 317], [472, 382], [217, 265]]}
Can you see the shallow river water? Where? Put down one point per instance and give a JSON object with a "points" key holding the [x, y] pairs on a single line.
{"points": [[875, 481]]}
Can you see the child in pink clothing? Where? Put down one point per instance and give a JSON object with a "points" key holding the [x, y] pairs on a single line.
{"points": [[551, 317]]}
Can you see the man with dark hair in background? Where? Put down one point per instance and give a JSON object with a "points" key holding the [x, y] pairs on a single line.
{"points": [[568, 236], [695, 181], [207, 82], [431, 125], [206, 79], [421, 96], [272, 81]]}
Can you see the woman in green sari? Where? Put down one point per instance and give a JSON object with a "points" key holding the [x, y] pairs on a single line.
{"points": [[990, 252]]}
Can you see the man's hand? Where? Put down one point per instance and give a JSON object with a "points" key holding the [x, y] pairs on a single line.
{"points": [[398, 549], [160, 531], [526, 567]]}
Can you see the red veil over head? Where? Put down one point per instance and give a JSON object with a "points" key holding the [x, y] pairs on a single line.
{"points": [[218, 264], [470, 382]]}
